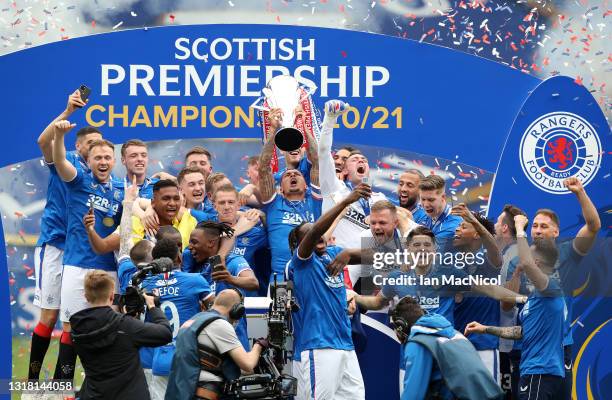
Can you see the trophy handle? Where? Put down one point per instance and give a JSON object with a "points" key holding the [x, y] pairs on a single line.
{"points": [[258, 104], [310, 90]]}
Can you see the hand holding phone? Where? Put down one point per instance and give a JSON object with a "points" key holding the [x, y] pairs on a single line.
{"points": [[216, 263], [84, 91]]}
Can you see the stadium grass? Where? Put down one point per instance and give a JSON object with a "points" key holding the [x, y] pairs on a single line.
{"points": [[21, 358]]}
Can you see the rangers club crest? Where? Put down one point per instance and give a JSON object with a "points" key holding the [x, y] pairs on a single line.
{"points": [[557, 146]]}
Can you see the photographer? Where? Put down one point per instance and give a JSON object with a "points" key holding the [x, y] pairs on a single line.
{"points": [[440, 363], [209, 353], [107, 342]]}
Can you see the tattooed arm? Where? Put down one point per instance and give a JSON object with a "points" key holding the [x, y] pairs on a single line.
{"points": [[266, 178], [505, 332]]}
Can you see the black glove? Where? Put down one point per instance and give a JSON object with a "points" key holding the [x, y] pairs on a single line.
{"points": [[263, 342]]}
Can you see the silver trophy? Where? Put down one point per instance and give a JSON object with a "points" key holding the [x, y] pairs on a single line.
{"points": [[284, 92]]}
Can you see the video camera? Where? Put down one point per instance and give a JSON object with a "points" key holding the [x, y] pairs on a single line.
{"points": [[269, 382], [133, 299]]}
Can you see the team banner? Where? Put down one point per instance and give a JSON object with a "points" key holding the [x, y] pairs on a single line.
{"points": [[497, 135]]}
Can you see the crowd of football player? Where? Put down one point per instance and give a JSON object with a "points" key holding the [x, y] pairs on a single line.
{"points": [[96, 220]]}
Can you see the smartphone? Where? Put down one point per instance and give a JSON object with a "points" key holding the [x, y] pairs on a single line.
{"points": [[216, 263], [366, 180], [84, 92]]}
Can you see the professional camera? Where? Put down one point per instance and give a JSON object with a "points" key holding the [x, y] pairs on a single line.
{"points": [[269, 382], [133, 299]]}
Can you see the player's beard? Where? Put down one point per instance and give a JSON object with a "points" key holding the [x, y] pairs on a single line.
{"points": [[409, 204]]}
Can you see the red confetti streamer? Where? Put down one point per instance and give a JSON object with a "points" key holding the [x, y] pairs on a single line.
{"points": [[171, 16], [456, 183], [343, 53], [578, 80], [383, 165]]}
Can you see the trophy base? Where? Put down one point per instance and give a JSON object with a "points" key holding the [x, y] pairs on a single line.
{"points": [[288, 139]]}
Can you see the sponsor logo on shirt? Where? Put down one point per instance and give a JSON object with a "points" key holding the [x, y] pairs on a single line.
{"points": [[296, 219], [239, 251], [334, 282], [102, 204], [356, 217]]}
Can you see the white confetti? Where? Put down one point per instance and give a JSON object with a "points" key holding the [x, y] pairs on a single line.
{"points": [[118, 25], [514, 180]]}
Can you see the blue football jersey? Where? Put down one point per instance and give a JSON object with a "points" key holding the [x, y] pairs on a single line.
{"points": [[249, 242], [543, 320], [444, 227], [565, 270], [322, 299], [145, 190], [282, 216], [478, 307], [179, 293], [206, 206], [430, 290], [55, 216], [418, 212], [85, 190]]}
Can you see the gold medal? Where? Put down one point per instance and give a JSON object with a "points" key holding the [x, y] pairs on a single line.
{"points": [[108, 221]]}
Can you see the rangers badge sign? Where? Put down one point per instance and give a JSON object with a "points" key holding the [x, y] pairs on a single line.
{"points": [[557, 146]]}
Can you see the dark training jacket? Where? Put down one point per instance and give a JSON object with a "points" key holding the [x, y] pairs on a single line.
{"points": [[107, 344]]}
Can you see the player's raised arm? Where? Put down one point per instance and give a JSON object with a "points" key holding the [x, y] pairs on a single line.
{"points": [[266, 178], [312, 148], [533, 272], [488, 241], [65, 169], [45, 140], [125, 227], [311, 238], [327, 170], [588, 233]]}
